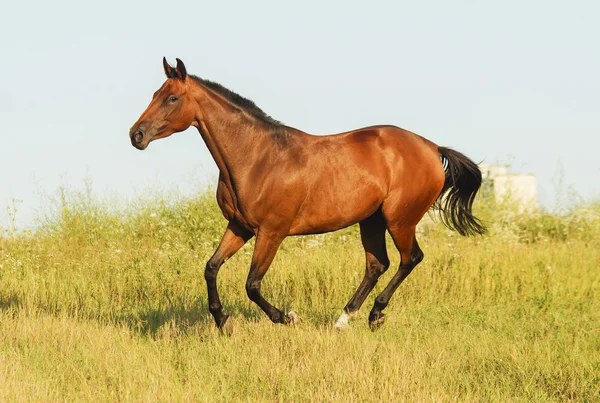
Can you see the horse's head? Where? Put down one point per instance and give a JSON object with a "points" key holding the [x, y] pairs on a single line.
{"points": [[171, 110]]}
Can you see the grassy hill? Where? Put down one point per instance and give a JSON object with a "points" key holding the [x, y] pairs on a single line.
{"points": [[106, 302]]}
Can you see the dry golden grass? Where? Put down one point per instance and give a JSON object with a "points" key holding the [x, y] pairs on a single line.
{"points": [[108, 304]]}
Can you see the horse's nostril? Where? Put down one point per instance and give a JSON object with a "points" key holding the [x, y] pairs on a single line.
{"points": [[138, 136]]}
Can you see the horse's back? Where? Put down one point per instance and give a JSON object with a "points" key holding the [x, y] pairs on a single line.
{"points": [[388, 152], [349, 175]]}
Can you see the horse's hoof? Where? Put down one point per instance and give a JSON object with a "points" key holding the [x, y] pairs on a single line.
{"points": [[292, 318], [226, 326], [377, 322], [343, 322]]}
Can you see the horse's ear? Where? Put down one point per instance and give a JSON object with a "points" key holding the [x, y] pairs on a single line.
{"points": [[169, 71], [181, 72]]}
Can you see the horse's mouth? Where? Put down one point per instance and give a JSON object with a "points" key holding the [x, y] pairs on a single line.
{"points": [[140, 146]]}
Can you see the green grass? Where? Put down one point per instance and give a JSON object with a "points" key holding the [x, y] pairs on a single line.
{"points": [[108, 303]]}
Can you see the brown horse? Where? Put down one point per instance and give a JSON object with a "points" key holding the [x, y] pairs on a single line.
{"points": [[277, 181]]}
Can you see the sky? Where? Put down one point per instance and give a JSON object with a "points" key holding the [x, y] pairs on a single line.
{"points": [[510, 82]]}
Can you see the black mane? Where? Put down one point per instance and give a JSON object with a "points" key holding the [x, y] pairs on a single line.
{"points": [[237, 100]]}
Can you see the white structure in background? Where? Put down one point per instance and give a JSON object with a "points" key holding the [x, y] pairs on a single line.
{"points": [[519, 188]]}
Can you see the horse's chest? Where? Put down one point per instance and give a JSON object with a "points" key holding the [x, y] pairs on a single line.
{"points": [[225, 200]]}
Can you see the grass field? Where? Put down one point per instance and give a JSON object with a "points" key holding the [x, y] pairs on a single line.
{"points": [[108, 303]]}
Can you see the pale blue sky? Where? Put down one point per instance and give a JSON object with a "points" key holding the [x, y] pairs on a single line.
{"points": [[491, 79]]}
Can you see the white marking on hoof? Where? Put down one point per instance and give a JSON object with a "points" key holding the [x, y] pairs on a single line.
{"points": [[343, 322]]}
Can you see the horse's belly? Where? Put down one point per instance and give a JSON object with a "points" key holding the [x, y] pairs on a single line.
{"points": [[329, 211]]}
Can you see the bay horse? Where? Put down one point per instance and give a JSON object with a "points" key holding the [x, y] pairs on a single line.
{"points": [[276, 181]]}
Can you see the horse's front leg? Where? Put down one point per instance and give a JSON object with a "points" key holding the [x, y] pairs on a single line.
{"points": [[265, 249], [234, 238]]}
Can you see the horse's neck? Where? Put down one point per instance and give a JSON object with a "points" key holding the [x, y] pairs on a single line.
{"points": [[232, 137]]}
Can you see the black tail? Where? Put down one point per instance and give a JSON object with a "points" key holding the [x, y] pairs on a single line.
{"points": [[463, 179]]}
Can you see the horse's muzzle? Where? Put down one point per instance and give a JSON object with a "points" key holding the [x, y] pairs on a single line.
{"points": [[137, 138]]}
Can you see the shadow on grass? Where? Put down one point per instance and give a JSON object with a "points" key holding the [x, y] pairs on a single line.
{"points": [[178, 317], [173, 317], [182, 319], [10, 303]]}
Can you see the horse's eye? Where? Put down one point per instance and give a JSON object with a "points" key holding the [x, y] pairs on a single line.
{"points": [[173, 98]]}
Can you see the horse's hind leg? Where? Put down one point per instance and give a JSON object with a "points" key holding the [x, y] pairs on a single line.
{"points": [[411, 255], [372, 235]]}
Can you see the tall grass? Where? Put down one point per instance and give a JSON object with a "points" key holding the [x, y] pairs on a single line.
{"points": [[105, 302]]}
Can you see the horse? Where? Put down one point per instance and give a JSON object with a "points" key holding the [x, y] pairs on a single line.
{"points": [[276, 181]]}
